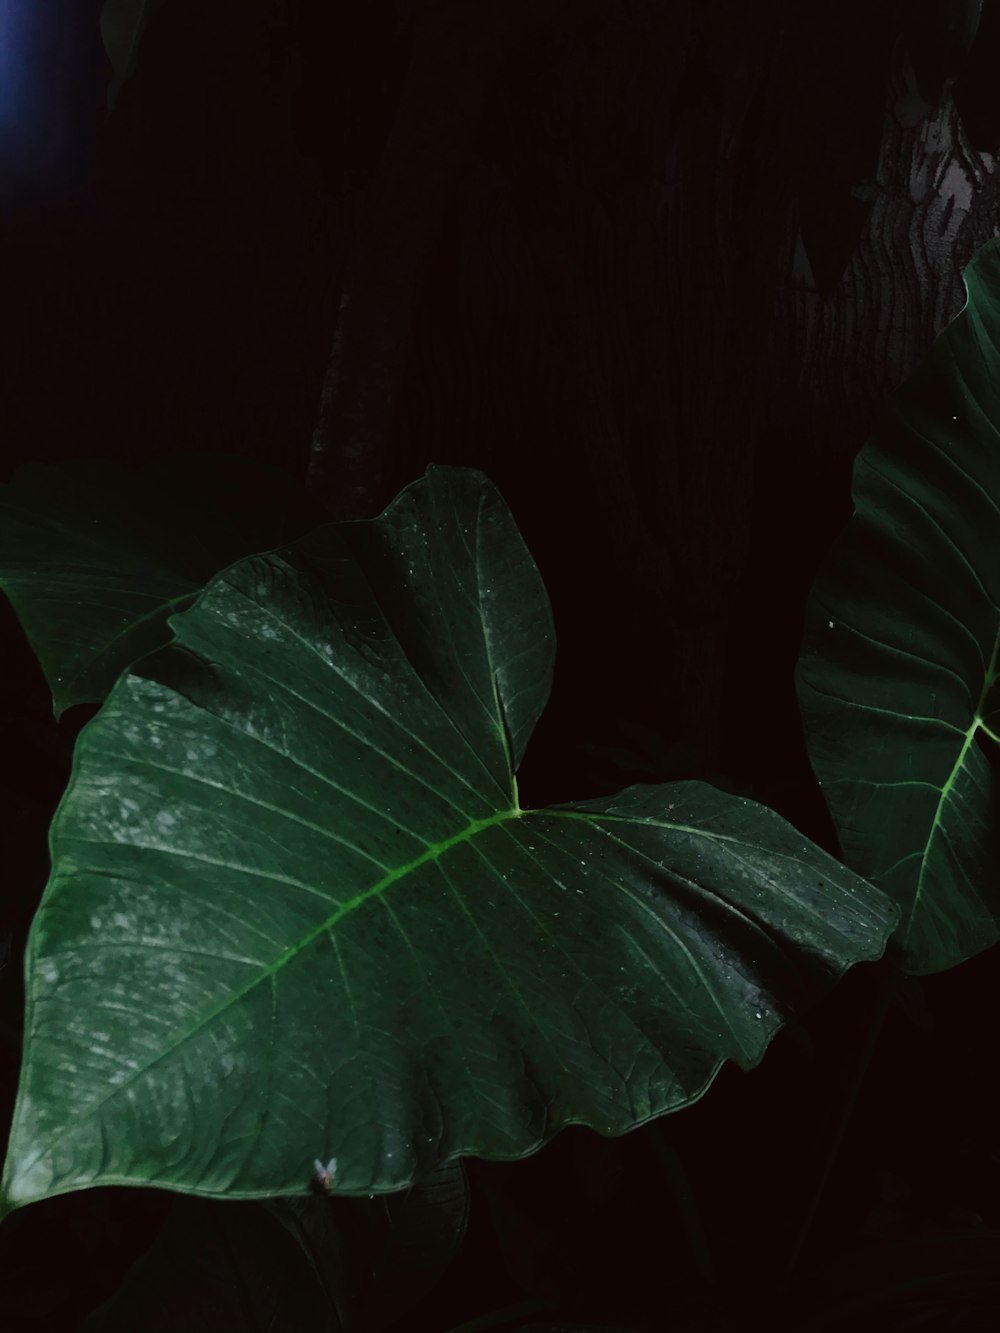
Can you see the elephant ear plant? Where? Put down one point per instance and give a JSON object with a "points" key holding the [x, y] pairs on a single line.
{"points": [[299, 929], [898, 675], [297, 913]]}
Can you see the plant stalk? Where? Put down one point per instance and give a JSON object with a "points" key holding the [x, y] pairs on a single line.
{"points": [[836, 1142]]}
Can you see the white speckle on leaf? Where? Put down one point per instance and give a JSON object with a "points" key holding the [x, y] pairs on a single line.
{"points": [[32, 1175], [48, 971]]}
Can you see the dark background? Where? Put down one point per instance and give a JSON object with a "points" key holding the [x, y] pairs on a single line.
{"points": [[653, 266]]}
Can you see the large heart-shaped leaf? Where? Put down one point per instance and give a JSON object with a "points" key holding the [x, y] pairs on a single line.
{"points": [[95, 556], [296, 911], [898, 673]]}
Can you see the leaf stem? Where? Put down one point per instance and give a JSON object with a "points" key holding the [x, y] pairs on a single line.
{"points": [[684, 1200], [846, 1114]]}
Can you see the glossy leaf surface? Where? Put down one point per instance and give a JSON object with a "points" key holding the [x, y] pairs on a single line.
{"points": [[297, 912], [95, 556], [898, 673]]}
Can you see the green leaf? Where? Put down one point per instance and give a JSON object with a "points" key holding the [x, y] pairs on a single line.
{"points": [[95, 556], [216, 1267], [296, 910], [413, 1238], [123, 23], [898, 673], [379, 1257]]}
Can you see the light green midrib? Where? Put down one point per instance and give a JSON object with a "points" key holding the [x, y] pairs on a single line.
{"points": [[432, 853], [976, 724]]}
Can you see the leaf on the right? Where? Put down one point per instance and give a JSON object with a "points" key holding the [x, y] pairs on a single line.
{"points": [[897, 678]]}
